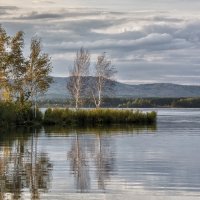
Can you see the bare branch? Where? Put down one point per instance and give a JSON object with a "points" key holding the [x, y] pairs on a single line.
{"points": [[104, 82], [77, 82]]}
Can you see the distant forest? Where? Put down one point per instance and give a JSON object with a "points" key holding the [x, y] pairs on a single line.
{"points": [[132, 103]]}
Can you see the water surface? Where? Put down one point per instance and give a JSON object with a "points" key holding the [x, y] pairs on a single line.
{"points": [[119, 162]]}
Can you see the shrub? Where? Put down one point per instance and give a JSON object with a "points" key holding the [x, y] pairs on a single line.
{"points": [[18, 114]]}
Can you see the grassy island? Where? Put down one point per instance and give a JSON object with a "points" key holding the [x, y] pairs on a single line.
{"points": [[16, 114], [97, 117]]}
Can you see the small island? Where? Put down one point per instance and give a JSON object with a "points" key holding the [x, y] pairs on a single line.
{"points": [[16, 114], [97, 117]]}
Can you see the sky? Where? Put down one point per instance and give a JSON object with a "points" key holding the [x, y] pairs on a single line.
{"points": [[148, 41]]}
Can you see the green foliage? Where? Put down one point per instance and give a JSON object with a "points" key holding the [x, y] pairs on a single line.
{"points": [[97, 117], [38, 67], [22, 78], [18, 114]]}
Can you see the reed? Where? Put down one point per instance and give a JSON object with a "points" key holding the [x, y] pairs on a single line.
{"points": [[97, 116]]}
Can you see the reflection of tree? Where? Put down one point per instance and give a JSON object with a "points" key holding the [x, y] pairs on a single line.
{"points": [[37, 175], [102, 157], [22, 167], [78, 164], [104, 160]]}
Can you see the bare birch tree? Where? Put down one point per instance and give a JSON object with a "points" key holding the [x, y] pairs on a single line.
{"points": [[77, 82], [103, 83]]}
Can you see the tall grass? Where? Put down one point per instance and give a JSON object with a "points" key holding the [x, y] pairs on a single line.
{"points": [[97, 116]]}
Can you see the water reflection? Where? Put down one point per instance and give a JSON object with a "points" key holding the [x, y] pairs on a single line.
{"points": [[79, 165], [104, 160], [22, 167], [91, 156], [26, 165], [102, 130]]}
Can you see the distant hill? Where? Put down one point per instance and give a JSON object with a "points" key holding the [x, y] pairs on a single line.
{"points": [[58, 90]]}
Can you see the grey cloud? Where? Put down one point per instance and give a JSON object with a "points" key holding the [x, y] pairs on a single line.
{"points": [[79, 30], [63, 13], [190, 31], [167, 19], [160, 28], [8, 8], [2, 12], [152, 42], [162, 45], [74, 28], [4, 9], [36, 15], [86, 25]]}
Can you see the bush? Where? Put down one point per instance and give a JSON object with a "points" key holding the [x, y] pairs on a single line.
{"points": [[97, 116], [18, 114]]}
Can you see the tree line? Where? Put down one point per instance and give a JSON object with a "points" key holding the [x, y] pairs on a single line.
{"points": [[157, 102]]}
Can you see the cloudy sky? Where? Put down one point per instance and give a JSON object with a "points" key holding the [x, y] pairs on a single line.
{"points": [[147, 40]]}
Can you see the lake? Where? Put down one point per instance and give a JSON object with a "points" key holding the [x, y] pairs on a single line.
{"points": [[118, 162]]}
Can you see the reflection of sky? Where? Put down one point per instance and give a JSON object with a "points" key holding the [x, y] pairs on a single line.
{"points": [[161, 162], [149, 42]]}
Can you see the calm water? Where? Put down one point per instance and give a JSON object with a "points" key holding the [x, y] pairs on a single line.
{"points": [[161, 162]]}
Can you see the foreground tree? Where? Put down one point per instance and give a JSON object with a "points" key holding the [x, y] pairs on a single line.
{"points": [[22, 79], [16, 68], [103, 83], [38, 67], [3, 45], [12, 65], [4, 83], [77, 82]]}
